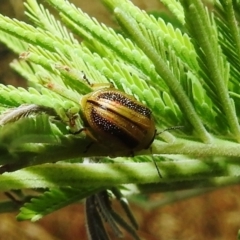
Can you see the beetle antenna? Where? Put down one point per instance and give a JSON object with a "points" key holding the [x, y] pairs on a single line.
{"points": [[170, 129]]}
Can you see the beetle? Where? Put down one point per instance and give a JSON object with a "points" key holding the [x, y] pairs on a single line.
{"points": [[118, 120]]}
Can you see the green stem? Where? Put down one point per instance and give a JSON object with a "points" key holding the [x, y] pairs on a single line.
{"points": [[162, 69], [176, 175], [218, 147], [75, 148]]}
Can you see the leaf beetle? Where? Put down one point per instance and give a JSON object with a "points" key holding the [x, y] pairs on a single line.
{"points": [[118, 120], [114, 117]]}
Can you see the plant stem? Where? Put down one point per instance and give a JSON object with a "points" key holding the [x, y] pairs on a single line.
{"points": [[182, 174]]}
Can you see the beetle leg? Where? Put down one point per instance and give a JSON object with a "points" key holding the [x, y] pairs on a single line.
{"points": [[88, 146], [155, 163]]}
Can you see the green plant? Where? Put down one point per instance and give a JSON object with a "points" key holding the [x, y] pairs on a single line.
{"points": [[187, 77]]}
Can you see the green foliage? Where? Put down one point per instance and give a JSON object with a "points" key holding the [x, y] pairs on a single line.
{"points": [[51, 201], [188, 77]]}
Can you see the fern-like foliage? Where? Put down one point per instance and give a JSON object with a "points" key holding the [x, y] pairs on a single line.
{"points": [[188, 77], [51, 201]]}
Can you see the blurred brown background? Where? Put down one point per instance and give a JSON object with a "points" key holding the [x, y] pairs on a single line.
{"points": [[214, 215]]}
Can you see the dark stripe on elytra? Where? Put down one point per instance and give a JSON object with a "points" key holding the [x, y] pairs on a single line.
{"points": [[123, 100], [95, 103], [112, 129]]}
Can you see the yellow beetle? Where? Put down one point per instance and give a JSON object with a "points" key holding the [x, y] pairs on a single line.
{"points": [[118, 119]]}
